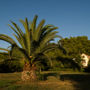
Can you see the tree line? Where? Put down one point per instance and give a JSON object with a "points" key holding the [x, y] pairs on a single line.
{"points": [[60, 59]]}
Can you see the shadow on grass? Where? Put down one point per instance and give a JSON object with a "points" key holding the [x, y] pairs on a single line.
{"points": [[82, 81], [46, 75]]}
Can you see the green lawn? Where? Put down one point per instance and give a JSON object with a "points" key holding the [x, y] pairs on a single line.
{"points": [[51, 81]]}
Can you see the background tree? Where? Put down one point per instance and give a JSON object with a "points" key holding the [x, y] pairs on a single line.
{"points": [[10, 63], [75, 46]]}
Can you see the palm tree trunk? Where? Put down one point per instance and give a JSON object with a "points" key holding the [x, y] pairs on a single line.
{"points": [[28, 73]]}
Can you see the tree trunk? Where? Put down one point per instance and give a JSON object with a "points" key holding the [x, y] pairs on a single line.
{"points": [[28, 73]]}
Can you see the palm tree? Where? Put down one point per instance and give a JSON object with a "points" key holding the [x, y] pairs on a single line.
{"points": [[32, 43]]}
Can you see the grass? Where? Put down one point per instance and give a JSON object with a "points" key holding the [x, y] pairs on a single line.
{"points": [[51, 81]]}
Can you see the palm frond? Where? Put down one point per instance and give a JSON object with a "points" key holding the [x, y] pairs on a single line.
{"points": [[21, 42], [33, 25], [7, 39], [19, 33], [4, 49], [43, 31], [27, 35], [17, 28], [38, 30]]}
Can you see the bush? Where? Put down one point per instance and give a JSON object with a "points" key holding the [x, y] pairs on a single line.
{"points": [[11, 66]]}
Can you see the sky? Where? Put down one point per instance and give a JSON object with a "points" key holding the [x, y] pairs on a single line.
{"points": [[72, 17]]}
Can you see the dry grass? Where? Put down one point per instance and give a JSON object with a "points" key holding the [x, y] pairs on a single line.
{"points": [[12, 81]]}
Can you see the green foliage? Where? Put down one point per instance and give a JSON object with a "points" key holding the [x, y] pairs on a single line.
{"points": [[76, 45], [11, 66], [16, 54], [11, 62], [3, 56], [34, 42]]}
